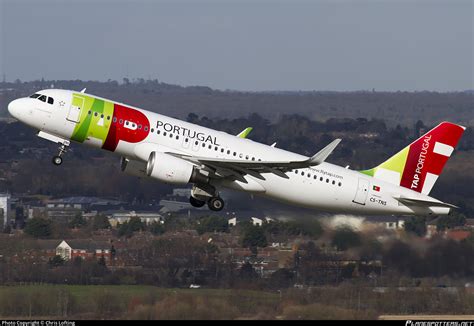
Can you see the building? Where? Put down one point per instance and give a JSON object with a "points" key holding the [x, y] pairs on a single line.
{"points": [[5, 209], [85, 249], [457, 234], [254, 220], [120, 217], [84, 203], [387, 222]]}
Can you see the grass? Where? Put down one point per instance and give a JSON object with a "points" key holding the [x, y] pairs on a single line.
{"points": [[115, 301]]}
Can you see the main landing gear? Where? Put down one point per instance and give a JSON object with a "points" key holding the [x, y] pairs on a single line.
{"points": [[214, 203], [58, 160], [205, 193]]}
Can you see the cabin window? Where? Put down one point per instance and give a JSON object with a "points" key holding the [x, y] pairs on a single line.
{"points": [[228, 151], [146, 129], [241, 155], [96, 114], [315, 177], [171, 135], [164, 133], [210, 146], [121, 121], [333, 182], [177, 137], [302, 173], [321, 179], [309, 175], [203, 145], [158, 132], [152, 130], [196, 142], [327, 180], [215, 148], [235, 153], [114, 119], [339, 184], [186, 140], [140, 127], [102, 116], [222, 150]]}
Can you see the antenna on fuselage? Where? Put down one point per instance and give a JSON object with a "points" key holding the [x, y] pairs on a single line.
{"points": [[83, 91]]}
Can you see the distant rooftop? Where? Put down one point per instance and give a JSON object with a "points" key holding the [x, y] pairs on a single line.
{"points": [[85, 200]]}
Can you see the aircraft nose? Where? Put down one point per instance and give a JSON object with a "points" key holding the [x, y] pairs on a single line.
{"points": [[14, 108]]}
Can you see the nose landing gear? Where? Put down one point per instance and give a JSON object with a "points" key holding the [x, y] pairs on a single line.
{"points": [[58, 160]]}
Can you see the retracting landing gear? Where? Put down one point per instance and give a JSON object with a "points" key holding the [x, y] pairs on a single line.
{"points": [[215, 204], [58, 160], [196, 202], [202, 193]]}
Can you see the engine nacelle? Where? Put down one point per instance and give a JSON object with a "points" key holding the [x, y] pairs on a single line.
{"points": [[173, 170], [132, 167]]}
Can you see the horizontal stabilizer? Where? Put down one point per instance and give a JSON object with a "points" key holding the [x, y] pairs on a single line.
{"points": [[421, 202]]}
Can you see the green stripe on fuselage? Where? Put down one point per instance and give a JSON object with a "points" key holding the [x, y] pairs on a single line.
{"points": [[97, 123]]}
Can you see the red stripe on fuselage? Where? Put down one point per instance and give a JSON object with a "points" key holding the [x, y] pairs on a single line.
{"points": [[118, 131]]}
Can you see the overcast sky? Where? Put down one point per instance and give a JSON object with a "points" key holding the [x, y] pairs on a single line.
{"points": [[244, 45]]}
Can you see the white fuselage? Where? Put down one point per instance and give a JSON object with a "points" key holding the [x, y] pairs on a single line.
{"points": [[326, 187]]}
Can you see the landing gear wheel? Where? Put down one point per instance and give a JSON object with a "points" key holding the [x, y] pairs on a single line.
{"points": [[196, 202], [57, 160], [215, 204]]}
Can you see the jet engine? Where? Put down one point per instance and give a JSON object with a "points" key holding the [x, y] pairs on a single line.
{"points": [[173, 170], [132, 167]]}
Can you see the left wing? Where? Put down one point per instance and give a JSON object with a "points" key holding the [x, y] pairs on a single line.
{"points": [[238, 168]]}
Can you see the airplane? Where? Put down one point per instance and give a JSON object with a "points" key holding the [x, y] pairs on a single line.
{"points": [[175, 152]]}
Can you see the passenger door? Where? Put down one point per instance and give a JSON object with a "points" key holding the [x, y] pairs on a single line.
{"points": [[77, 105], [362, 192]]}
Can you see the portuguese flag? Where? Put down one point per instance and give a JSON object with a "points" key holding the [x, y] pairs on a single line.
{"points": [[376, 188]]}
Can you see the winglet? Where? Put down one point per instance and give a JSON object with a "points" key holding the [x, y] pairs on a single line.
{"points": [[244, 133], [83, 91], [323, 154]]}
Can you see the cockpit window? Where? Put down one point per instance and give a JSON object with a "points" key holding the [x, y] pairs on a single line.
{"points": [[42, 98], [35, 95], [50, 100]]}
